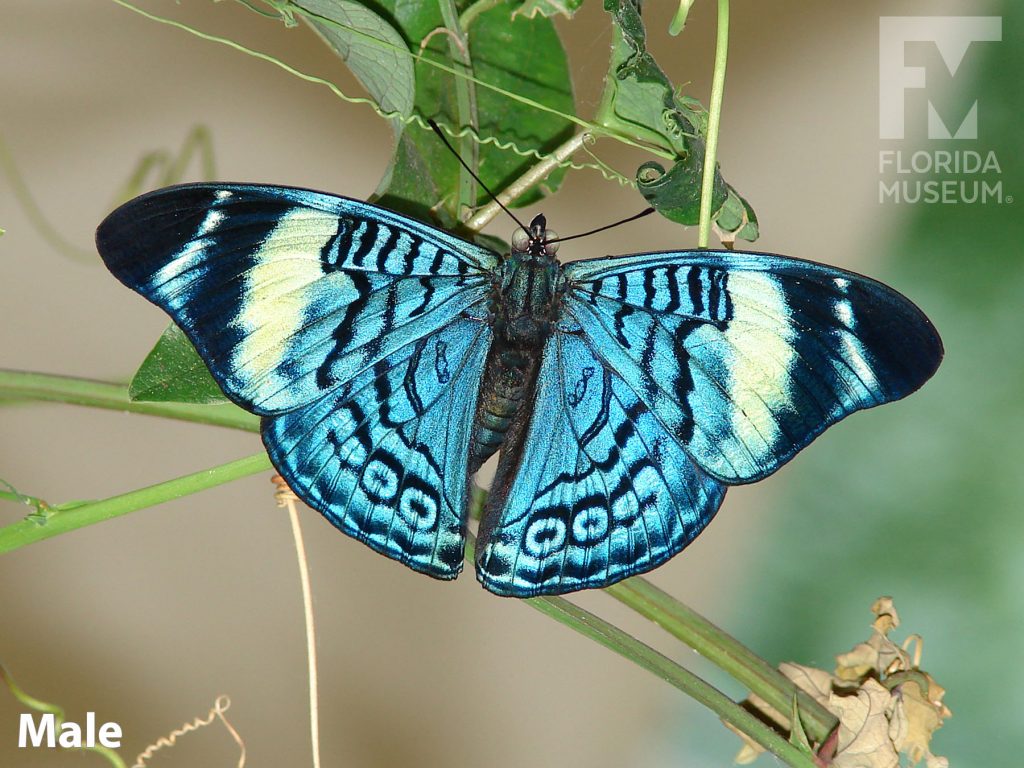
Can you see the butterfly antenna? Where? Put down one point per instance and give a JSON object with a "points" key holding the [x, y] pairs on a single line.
{"points": [[436, 129], [634, 217]]}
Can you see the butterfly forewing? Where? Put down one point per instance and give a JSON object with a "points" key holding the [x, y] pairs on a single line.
{"points": [[746, 358], [287, 293]]}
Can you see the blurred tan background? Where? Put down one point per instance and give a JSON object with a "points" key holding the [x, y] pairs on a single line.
{"points": [[148, 618]]}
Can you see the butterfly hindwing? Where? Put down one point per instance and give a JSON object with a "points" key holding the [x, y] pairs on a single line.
{"points": [[602, 492], [287, 293], [384, 457], [746, 358]]}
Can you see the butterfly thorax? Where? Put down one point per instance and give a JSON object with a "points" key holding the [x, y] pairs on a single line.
{"points": [[526, 300], [524, 306]]}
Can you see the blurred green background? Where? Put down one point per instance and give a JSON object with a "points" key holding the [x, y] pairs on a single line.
{"points": [[924, 502], [148, 618]]}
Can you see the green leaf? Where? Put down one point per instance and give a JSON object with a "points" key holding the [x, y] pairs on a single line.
{"points": [[676, 193], [639, 100], [161, 167], [371, 47], [422, 171], [523, 56], [519, 55], [797, 734], [736, 220], [173, 372], [496, 244], [280, 10]]}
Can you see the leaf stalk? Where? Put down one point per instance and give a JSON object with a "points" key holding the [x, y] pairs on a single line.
{"points": [[714, 121]]}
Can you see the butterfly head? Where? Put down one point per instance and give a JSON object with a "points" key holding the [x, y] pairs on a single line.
{"points": [[538, 241]]}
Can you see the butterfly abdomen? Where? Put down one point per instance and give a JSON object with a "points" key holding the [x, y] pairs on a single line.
{"points": [[507, 384]]}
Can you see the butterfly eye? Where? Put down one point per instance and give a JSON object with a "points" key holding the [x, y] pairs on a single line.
{"points": [[520, 240], [550, 247]]}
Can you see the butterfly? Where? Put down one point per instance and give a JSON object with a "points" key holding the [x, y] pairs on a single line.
{"points": [[389, 359]]}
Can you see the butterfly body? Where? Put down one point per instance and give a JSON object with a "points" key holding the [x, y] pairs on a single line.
{"points": [[523, 306], [390, 359]]}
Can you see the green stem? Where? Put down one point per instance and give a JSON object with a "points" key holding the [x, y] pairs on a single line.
{"points": [[678, 22], [600, 631], [714, 119], [472, 12], [21, 385], [34, 213], [536, 173], [465, 104], [21, 498], [55, 521], [654, 149], [638, 594], [198, 141], [724, 651], [170, 169], [606, 118], [610, 636]]}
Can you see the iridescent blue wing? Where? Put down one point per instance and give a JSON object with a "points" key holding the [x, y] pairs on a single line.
{"points": [[670, 376], [353, 330], [384, 457], [745, 357], [287, 293], [602, 490]]}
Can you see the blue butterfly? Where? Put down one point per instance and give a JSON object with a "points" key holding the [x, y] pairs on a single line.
{"points": [[390, 359]]}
